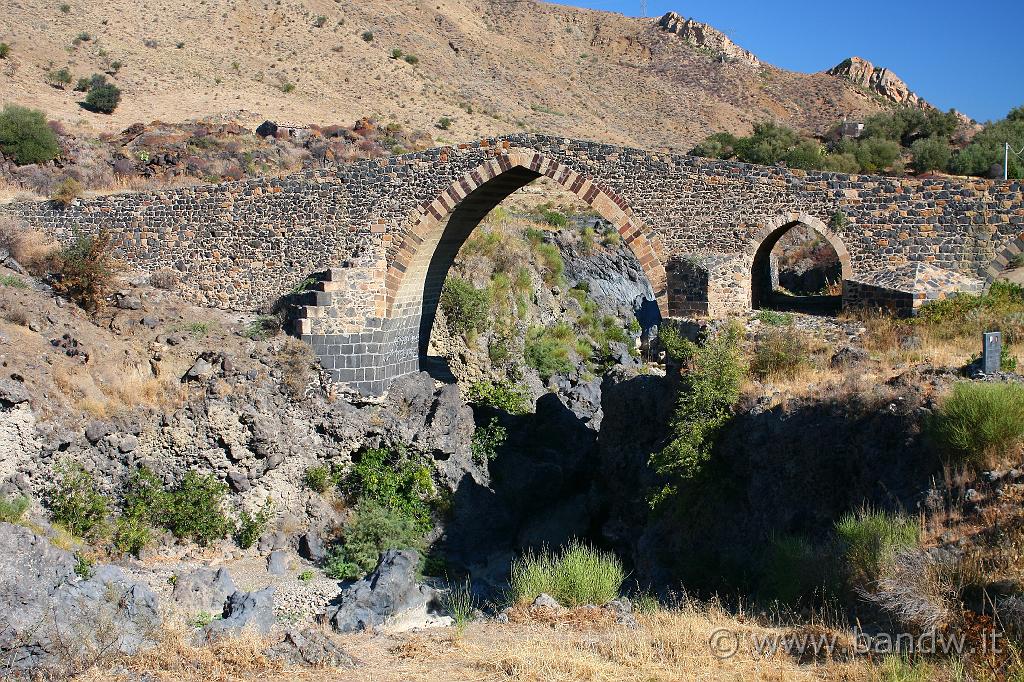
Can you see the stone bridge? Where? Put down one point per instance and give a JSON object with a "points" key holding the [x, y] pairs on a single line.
{"points": [[382, 234]]}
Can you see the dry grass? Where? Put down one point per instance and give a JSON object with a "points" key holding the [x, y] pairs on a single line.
{"points": [[177, 657]]}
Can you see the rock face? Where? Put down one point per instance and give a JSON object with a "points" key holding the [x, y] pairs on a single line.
{"points": [[389, 597], [253, 610], [51, 617], [877, 79], [706, 37], [204, 589]]}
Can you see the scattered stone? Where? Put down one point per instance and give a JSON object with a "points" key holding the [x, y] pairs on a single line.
{"points": [[200, 371], [623, 610], [150, 321], [239, 481], [848, 356], [127, 443], [95, 431], [128, 302], [267, 129]]}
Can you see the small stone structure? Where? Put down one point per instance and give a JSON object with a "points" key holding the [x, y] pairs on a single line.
{"points": [[382, 234]]}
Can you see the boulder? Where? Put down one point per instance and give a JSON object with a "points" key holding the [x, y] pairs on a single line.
{"points": [[204, 589], [267, 129], [277, 562], [546, 601], [310, 546], [388, 597], [53, 617], [252, 610], [200, 371]]}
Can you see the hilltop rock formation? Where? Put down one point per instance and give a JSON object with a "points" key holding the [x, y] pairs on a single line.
{"points": [[877, 79], [707, 37]]}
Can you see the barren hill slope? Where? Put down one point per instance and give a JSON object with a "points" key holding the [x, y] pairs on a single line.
{"points": [[492, 67]]}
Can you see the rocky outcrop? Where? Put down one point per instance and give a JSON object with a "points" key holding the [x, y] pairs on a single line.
{"points": [[204, 589], [877, 79], [252, 610], [388, 597], [55, 614], [706, 37]]}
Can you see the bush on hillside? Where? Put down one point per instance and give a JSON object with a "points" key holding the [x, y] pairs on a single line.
{"points": [[76, 502], [575, 575], [396, 479], [549, 350], [25, 136], [373, 529], [86, 269], [930, 154], [502, 395], [980, 423], [66, 191], [5, 50], [465, 307], [704, 405], [193, 509], [780, 353], [1001, 308], [103, 98], [12, 510], [869, 539]]}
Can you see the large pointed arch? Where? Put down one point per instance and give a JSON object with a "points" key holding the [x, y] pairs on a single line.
{"points": [[417, 270]]}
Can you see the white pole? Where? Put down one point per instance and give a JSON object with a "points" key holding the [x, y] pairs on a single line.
{"points": [[1006, 161]]}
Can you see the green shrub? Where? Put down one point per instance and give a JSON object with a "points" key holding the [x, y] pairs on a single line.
{"points": [[131, 535], [367, 36], [319, 21], [465, 307], [321, 478], [703, 406], [502, 395], [1001, 308], [411, 59], [59, 78], [587, 239], [374, 529], [929, 154], [194, 509], [549, 349], [83, 567], [780, 352], [551, 262], [251, 526], [717, 146], [307, 576], [65, 8], [868, 539], [394, 479], [980, 423], [262, 327], [75, 501], [103, 98], [675, 343], [11, 511], [875, 154], [396, 53], [13, 281], [86, 269], [577, 574], [5, 50], [444, 123], [774, 318], [25, 136], [486, 441]]}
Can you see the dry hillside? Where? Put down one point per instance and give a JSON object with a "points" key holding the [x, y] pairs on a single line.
{"points": [[492, 67]]}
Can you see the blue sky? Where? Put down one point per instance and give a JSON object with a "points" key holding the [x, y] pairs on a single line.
{"points": [[966, 55]]}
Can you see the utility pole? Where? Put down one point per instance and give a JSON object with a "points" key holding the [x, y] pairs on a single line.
{"points": [[643, 9], [1006, 161]]}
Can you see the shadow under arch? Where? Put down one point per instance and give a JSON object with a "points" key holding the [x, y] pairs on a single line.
{"points": [[418, 269], [765, 239]]}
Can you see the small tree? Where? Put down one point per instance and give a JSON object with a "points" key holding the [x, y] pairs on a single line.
{"points": [[931, 153], [59, 78], [5, 50], [86, 269], [444, 123], [103, 98], [25, 137]]}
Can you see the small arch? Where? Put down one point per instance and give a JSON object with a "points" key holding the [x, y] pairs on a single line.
{"points": [[416, 272], [1004, 260], [764, 240]]}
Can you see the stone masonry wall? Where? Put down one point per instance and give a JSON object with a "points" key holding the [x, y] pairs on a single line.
{"points": [[241, 245]]}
